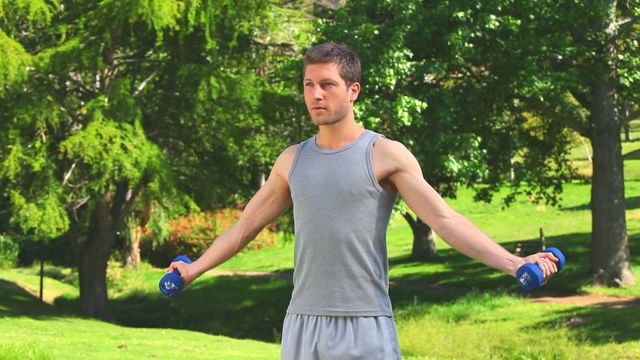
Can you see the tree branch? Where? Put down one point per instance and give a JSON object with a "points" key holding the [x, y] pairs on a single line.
{"points": [[128, 204], [80, 202], [582, 99], [144, 83], [629, 21], [68, 174], [632, 115], [569, 117], [410, 219]]}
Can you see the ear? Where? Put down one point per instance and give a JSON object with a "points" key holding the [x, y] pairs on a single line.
{"points": [[354, 91]]}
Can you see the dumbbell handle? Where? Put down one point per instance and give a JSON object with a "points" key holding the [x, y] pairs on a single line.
{"points": [[171, 283], [530, 276]]}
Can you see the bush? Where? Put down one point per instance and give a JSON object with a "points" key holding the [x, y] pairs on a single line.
{"points": [[192, 234], [8, 252], [56, 251]]}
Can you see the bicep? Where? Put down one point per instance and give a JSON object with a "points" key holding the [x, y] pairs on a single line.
{"points": [[421, 197], [270, 201]]}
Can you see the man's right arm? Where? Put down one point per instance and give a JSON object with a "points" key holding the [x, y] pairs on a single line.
{"points": [[271, 200]]}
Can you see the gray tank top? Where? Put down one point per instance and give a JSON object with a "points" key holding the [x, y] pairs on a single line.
{"points": [[340, 215]]}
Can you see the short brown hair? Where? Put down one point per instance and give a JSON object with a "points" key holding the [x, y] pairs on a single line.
{"points": [[347, 60]]}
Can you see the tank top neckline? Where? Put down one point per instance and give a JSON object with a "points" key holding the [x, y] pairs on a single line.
{"points": [[338, 149]]}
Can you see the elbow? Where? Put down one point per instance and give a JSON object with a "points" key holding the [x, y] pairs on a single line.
{"points": [[239, 235], [444, 225], [443, 222]]}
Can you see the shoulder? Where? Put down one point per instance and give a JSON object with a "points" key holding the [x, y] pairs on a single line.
{"points": [[388, 145], [394, 157], [289, 152], [284, 161], [392, 150]]}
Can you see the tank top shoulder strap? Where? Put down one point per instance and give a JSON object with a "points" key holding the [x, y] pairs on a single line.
{"points": [[299, 150]]}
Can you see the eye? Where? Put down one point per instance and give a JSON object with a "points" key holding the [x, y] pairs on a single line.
{"points": [[308, 84], [327, 84]]}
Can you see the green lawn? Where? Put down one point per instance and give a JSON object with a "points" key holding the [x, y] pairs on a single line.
{"points": [[454, 308], [30, 330]]}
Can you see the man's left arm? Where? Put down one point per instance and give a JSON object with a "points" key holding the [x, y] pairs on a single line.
{"points": [[454, 228]]}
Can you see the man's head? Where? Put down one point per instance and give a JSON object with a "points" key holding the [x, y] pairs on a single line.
{"points": [[347, 60], [331, 82]]}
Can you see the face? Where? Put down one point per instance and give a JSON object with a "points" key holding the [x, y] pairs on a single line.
{"points": [[328, 98]]}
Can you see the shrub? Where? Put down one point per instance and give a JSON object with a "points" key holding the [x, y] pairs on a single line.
{"points": [[8, 252], [192, 234]]}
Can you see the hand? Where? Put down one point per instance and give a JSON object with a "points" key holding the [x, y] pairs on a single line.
{"points": [[546, 261], [186, 272]]}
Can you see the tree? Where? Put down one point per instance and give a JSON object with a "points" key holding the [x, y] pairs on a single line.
{"points": [[570, 65], [101, 100]]}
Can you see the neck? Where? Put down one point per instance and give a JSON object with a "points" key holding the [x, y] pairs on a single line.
{"points": [[339, 134]]}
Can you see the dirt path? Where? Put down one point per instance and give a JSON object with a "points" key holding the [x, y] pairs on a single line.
{"points": [[589, 300], [48, 296], [285, 275], [538, 297]]}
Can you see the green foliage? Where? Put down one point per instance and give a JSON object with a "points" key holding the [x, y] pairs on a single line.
{"points": [[403, 96], [31, 12], [43, 215], [129, 93], [107, 151], [14, 62], [8, 252], [483, 93], [128, 103]]}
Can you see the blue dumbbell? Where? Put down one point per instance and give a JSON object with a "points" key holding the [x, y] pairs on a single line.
{"points": [[530, 276], [171, 283]]}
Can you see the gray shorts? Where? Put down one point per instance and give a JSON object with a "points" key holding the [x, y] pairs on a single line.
{"points": [[310, 337]]}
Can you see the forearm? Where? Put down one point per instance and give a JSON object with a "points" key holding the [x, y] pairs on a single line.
{"points": [[464, 236], [229, 243]]}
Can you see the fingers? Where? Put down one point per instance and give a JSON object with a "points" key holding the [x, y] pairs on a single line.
{"points": [[547, 265], [183, 270], [549, 255], [175, 265]]}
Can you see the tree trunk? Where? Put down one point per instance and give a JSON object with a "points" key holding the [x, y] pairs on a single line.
{"points": [[132, 255], [93, 250], [424, 240], [609, 242]]}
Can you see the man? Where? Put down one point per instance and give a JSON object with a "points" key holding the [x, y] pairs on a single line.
{"points": [[342, 183]]}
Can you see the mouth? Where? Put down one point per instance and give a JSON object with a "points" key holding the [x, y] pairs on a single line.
{"points": [[318, 108]]}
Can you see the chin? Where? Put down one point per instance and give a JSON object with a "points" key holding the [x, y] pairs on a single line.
{"points": [[324, 121]]}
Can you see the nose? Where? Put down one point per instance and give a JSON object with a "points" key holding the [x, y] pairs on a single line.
{"points": [[317, 93]]}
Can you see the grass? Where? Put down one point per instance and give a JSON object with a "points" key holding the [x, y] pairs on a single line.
{"points": [[31, 330], [453, 308], [499, 326]]}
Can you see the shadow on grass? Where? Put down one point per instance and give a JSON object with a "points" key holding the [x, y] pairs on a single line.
{"points": [[461, 272], [239, 307], [254, 307], [598, 325], [631, 204], [632, 155], [16, 301], [595, 324]]}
